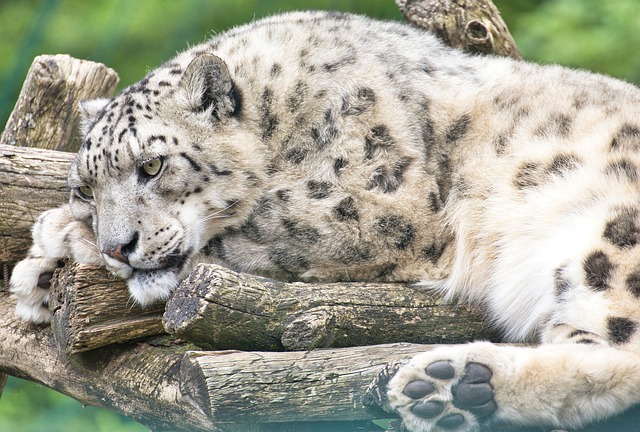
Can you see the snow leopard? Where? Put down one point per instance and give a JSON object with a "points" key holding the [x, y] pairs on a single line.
{"points": [[321, 146]]}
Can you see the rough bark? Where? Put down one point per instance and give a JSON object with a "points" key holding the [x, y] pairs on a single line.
{"points": [[139, 380], [31, 181], [46, 113], [216, 308], [92, 309], [470, 25], [324, 384]]}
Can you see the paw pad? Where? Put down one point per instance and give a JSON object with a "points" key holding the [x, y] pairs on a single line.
{"points": [[419, 389], [472, 393]]}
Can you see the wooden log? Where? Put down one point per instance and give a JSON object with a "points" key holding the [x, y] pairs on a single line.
{"points": [[216, 308], [90, 309], [31, 181], [325, 384], [138, 380], [46, 114], [470, 25]]}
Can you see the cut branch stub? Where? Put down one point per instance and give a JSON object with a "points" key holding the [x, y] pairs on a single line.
{"points": [[46, 114], [470, 25], [91, 308], [216, 308]]}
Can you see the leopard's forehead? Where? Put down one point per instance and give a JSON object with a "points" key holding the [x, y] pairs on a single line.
{"points": [[130, 127]]}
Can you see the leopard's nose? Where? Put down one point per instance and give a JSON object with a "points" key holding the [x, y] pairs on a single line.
{"points": [[121, 252]]}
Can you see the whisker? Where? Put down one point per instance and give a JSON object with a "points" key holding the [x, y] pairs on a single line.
{"points": [[216, 215]]}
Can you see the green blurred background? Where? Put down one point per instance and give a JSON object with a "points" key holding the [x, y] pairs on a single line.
{"points": [[133, 36]]}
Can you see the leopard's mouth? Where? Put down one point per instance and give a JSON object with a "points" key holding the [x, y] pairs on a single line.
{"points": [[173, 262]]}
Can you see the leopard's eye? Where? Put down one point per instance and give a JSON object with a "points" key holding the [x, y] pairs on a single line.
{"points": [[86, 192], [152, 167]]}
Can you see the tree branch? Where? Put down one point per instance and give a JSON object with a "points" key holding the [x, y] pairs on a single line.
{"points": [[217, 308], [470, 25], [46, 113]]}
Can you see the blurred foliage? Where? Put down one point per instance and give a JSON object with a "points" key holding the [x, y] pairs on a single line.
{"points": [[29, 407], [134, 36], [590, 34]]}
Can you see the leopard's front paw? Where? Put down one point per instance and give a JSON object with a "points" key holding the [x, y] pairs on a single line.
{"points": [[57, 235], [442, 391], [29, 284]]}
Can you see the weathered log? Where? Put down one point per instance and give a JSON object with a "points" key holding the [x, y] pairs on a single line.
{"points": [[91, 309], [216, 308], [31, 181], [46, 113], [470, 25], [287, 387], [139, 380]]}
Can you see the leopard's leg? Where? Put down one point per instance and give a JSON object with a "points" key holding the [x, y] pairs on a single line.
{"points": [[57, 234], [460, 387]]}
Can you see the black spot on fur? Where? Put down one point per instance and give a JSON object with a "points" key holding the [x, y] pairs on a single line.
{"points": [[434, 202], [528, 175], [377, 141], [296, 155], [623, 168], [214, 247], [621, 330], [578, 333], [276, 70], [386, 271], [586, 341], [219, 172], [443, 177], [253, 232], [458, 129], [268, 120], [395, 227], [327, 131], [121, 135], [194, 165], [434, 251], [561, 282], [350, 254], [557, 124], [335, 65], [289, 261], [319, 189], [362, 100], [387, 179], [500, 144], [427, 135], [598, 269], [339, 164], [563, 163], [301, 233], [622, 230], [627, 137], [284, 195], [346, 210], [297, 97], [633, 283]]}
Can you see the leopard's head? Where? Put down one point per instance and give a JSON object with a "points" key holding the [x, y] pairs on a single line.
{"points": [[165, 167]]}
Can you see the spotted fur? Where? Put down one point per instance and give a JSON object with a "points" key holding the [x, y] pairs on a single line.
{"points": [[324, 146]]}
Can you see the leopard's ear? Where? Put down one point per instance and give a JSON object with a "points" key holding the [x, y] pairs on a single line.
{"points": [[208, 87], [89, 110]]}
